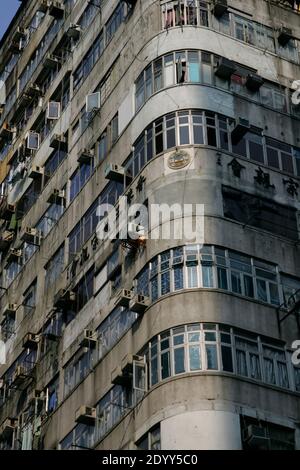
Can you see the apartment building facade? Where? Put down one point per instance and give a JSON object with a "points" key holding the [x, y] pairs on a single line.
{"points": [[145, 343]]}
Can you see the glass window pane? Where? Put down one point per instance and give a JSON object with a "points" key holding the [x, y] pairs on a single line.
{"points": [[227, 358], [207, 276], [179, 360], [194, 67], [262, 290], [195, 358], [178, 277], [165, 365], [211, 356], [222, 278]]}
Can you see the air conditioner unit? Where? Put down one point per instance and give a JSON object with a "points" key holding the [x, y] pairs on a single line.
{"points": [[31, 235], [7, 211], [14, 255], [51, 62], [254, 82], [6, 131], [59, 142], [6, 239], [43, 6], [88, 339], [242, 126], [64, 298], [53, 110], [18, 34], [33, 140], [57, 196], [10, 310], [86, 415], [34, 396], [74, 31], [114, 172], [36, 172], [7, 427], [93, 102], [123, 298], [285, 35], [19, 376], [220, 7], [122, 375], [15, 47], [117, 376], [135, 231], [56, 9], [256, 436], [139, 303], [225, 68], [85, 155], [30, 341], [33, 91]]}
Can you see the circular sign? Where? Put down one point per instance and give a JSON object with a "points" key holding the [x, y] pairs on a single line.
{"points": [[179, 159]]}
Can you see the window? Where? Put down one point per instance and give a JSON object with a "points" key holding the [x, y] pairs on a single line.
{"points": [[54, 267], [84, 290], [260, 213], [151, 440], [29, 298], [102, 147], [190, 267], [53, 162], [115, 21], [80, 177]]}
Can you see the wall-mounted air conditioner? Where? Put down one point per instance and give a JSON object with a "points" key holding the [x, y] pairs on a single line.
{"points": [[43, 6], [14, 255], [59, 142], [123, 297], [10, 310], [6, 131], [74, 31], [19, 376], [6, 239], [36, 172], [33, 140], [30, 341], [56, 9], [93, 102], [88, 339], [85, 155], [51, 61], [285, 35], [220, 7], [35, 396], [225, 68], [139, 303], [19, 34], [86, 415], [242, 126], [8, 427], [254, 82], [57, 196], [33, 91], [64, 298], [53, 110], [114, 172], [31, 235]]}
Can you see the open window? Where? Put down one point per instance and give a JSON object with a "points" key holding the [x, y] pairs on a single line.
{"points": [[93, 102], [33, 140], [53, 110], [139, 366]]}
